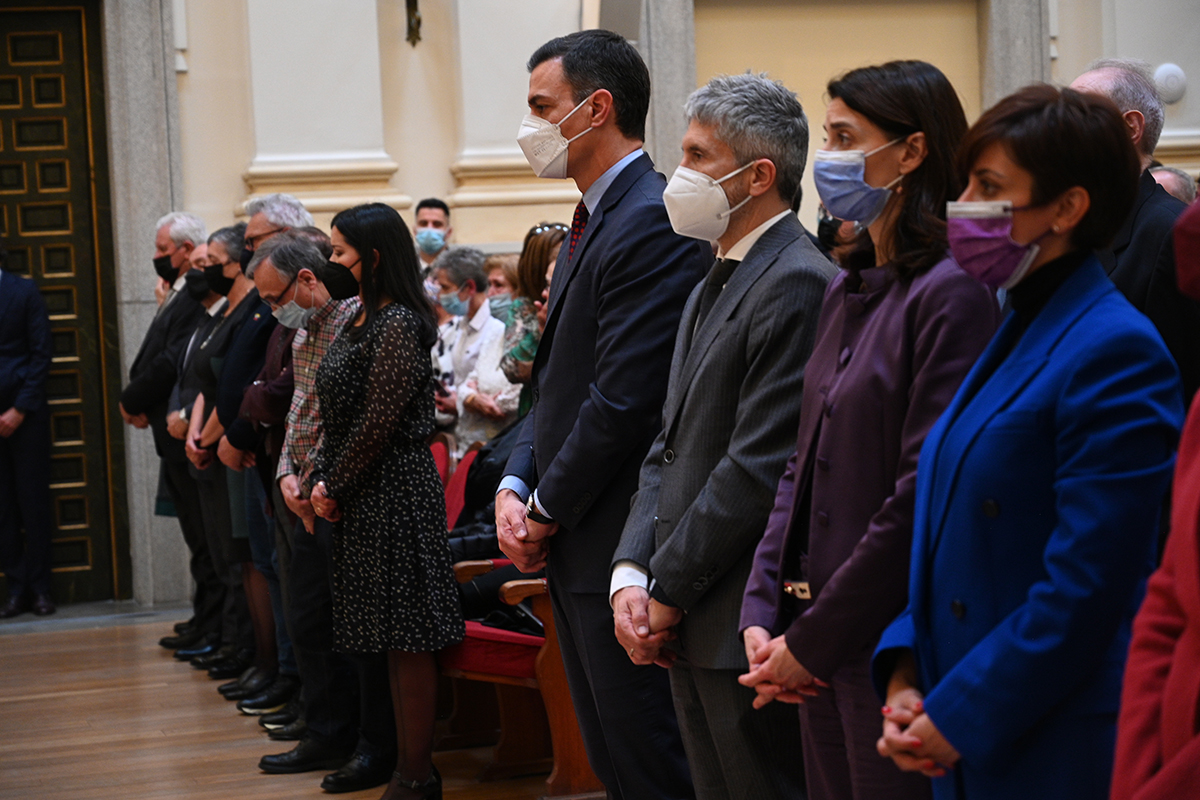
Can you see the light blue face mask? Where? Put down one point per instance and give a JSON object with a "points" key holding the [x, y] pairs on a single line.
{"points": [[499, 305], [842, 188], [431, 240], [454, 305]]}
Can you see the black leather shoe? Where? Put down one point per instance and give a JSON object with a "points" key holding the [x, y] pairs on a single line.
{"points": [[273, 698], [252, 683], [231, 667], [205, 646], [192, 638], [291, 732], [307, 756], [223, 653], [285, 716], [362, 771], [181, 628], [43, 606], [16, 605]]}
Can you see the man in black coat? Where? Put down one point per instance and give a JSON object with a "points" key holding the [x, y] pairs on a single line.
{"points": [[1141, 261], [24, 445], [599, 383], [151, 379]]}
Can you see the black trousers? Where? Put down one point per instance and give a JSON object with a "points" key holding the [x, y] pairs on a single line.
{"points": [[226, 555], [347, 700], [210, 589], [25, 503], [625, 711]]}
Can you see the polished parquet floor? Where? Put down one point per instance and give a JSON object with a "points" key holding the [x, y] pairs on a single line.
{"points": [[105, 713]]}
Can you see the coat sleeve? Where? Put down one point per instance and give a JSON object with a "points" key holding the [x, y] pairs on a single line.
{"points": [[738, 492], [952, 322], [31, 395], [641, 284], [1116, 421], [1156, 631], [761, 600], [153, 384]]}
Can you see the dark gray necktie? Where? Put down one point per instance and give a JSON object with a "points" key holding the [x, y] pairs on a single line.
{"points": [[718, 276]]}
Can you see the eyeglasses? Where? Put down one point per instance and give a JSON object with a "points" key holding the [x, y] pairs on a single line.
{"points": [[549, 226], [252, 242], [221, 264]]}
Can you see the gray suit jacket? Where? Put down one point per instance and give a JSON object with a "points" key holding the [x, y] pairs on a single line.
{"points": [[733, 403]]}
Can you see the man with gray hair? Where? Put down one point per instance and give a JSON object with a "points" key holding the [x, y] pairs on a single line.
{"points": [[1178, 183], [1141, 260], [269, 215], [151, 379], [708, 483]]}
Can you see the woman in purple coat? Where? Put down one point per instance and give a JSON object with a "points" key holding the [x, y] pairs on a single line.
{"points": [[900, 327]]}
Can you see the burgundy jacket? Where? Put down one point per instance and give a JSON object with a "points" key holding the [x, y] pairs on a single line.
{"points": [[889, 357]]}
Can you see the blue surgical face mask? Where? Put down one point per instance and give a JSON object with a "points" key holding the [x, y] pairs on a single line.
{"points": [[454, 305], [499, 305], [431, 240], [842, 188]]}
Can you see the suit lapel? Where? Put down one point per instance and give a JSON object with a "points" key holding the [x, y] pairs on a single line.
{"points": [[1108, 256]]}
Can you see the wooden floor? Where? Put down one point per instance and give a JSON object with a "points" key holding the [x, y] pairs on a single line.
{"points": [[107, 713]]}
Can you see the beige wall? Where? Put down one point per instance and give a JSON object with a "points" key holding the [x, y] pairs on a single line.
{"points": [[804, 44]]}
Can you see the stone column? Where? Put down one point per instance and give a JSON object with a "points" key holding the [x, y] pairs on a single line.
{"points": [[147, 182], [495, 40], [668, 44], [1014, 46], [318, 120]]}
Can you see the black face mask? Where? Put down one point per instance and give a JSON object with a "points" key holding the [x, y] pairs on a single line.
{"points": [[339, 281], [214, 276], [244, 258], [197, 284], [827, 230], [165, 270]]}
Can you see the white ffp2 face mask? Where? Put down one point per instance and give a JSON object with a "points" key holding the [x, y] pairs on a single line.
{"points": [[697, 205], [544, 145]]}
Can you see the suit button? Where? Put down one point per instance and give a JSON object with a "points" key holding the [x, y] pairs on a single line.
{"points": [[823, 518], [823, 463], [535, 394], [844, 358], [668, 456], [991, 508], [958, 609], [698, 586]]}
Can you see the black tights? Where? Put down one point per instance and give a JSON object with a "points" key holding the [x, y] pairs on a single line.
{"points": [[414, 681], [262, 617]]}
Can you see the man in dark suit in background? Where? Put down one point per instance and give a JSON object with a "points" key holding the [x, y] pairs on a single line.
{"points": [[599, 381], [24, 445], [1141, 261], [144, 400], [733, 402]]}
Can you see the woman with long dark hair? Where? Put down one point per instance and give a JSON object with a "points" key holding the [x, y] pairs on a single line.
{"points": [[900, 327], [374, 476], [522, 332]]}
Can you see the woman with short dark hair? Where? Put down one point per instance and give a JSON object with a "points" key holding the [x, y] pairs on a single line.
{"points": [[522, 332], [374, 476], [1039, 491]]}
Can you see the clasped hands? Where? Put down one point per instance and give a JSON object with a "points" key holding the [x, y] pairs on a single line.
{"points": [[909, 737], [289, 487], [324, 505], [643, 625], [525, 541], [136, 420], [775, 674]]}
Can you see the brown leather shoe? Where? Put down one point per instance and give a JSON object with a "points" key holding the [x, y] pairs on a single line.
{"points": [[16, 605], [43, 605]]}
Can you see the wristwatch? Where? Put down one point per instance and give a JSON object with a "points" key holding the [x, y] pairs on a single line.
{"points": [[532, 513]]}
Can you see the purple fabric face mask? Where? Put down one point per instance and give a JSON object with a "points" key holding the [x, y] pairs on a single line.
{"points": [[981, 242]]}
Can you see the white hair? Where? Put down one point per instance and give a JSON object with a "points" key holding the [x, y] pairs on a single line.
{"points": [[183, 227], [1132, 88], [280, 209]]}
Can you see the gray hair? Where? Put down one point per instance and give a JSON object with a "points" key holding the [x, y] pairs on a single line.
{"points": [[1132, 88], [758, 118], [282, 210], [463, 264], [231, 238], [289, 253], [183, 227], [1186, 183]]}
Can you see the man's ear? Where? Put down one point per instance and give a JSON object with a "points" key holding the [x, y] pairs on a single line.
{"points": [[1137, 127]]}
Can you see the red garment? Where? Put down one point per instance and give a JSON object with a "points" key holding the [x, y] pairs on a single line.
{"points": [[1158, 749]]}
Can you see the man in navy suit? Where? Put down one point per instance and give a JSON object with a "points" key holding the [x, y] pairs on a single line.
{"points": [[599, 384], [24, 444]]}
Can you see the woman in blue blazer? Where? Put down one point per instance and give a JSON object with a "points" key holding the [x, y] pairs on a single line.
{"points": [[1039, 489]]}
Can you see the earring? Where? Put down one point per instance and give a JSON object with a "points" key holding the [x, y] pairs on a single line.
{"points": [[1056, 229]]}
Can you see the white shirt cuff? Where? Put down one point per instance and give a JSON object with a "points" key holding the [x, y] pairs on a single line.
{"points": [[516, 484], [627, 573]]}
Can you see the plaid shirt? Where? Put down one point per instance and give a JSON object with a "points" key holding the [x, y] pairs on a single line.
{"points": [[304, 418]]}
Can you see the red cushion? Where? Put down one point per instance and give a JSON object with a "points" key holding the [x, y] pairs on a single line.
{"points": [[441, 457], [493, 651], [456, 489]]}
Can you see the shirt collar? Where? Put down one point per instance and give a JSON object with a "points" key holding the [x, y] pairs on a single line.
{"points": [[180, 282], [591, 198], [480, 318], [738, 251], [217, 307]]}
